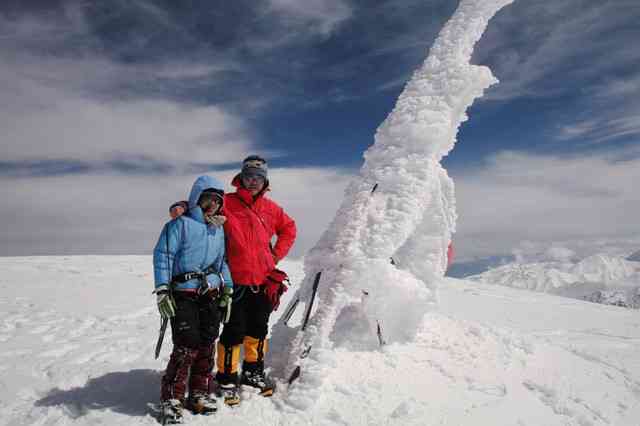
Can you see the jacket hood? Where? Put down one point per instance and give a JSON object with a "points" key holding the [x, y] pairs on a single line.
{"points": [[202, 183]]}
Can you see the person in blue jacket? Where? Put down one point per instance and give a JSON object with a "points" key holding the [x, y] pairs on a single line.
{"points": [[193, 288]]}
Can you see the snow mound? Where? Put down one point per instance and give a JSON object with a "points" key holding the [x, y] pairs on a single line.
{"points": [[378, 308]]}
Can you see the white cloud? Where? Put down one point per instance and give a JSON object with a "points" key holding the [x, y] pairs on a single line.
{"points": [[63, 107], [67, 127], [556, 38], [66, 106], [292, 22], [614, 88], [610, 124], [561, 254], [315, 16], [109, 213], [312, 196], [613, 111], [572, 131], [516, 201], [544, 199], [34, 31]]}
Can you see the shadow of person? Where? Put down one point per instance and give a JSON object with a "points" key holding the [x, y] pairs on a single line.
{"points": [[126, 392]]}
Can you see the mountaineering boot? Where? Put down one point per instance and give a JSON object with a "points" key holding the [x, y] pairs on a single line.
{"points": [[253, 375], [200, 399], [171, 412], [227, 375], [202, 403], [230, 393], [253, 366]]}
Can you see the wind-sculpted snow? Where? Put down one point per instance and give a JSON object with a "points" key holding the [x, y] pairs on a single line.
{"points": [[383, 253]]}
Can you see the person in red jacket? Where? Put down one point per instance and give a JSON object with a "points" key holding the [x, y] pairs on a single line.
{"points": [[252, 220]]}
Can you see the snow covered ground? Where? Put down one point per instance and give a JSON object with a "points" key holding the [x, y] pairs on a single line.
{"points": [[77, 337]]}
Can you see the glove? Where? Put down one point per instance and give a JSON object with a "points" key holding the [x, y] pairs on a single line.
{"points": [[274, 287], [225, 303], [273, 290], [166, 304]]}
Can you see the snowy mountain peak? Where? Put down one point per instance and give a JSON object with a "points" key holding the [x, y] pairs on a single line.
{"points": [[602, 268], [600, 278]]}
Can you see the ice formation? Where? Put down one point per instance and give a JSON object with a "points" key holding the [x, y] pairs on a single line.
{"points": [[383, 253]]}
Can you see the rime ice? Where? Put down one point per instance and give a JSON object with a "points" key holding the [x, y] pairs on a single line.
{"points": [[410, 217]]}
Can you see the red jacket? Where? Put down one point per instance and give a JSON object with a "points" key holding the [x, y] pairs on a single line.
{"points": [[250, 225]]}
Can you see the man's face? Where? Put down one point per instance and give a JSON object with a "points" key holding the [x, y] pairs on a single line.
{"points": [[253, 183]]}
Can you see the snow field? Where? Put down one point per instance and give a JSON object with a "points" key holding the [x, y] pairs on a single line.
{"points": [[486, 354]]}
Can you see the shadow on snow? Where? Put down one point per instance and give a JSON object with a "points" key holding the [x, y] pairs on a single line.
{"points": [[126, 392]]}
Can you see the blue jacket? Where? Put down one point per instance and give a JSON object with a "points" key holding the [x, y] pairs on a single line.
{"points": [[189, 244]]}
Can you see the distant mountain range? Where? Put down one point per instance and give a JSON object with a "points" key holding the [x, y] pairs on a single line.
{"points": [[477, 266], [635, 257], [599, 278]]}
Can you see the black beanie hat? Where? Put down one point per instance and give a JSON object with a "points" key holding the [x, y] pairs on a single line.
{"points": [[254, 165]]}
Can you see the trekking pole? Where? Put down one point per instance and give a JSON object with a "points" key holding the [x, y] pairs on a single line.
{"points": [[305, 352], [316, 281]]}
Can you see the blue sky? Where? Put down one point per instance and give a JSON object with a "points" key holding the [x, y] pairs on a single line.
{"points": [[110, 109]]}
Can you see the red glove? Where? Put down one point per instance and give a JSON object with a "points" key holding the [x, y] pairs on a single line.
{"points": [[274, 287]]}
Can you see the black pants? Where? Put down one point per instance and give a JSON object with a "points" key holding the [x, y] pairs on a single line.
{"points": [[197, 320], [249, 316], [194, 328]]}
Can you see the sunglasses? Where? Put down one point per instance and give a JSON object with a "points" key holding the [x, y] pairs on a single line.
{"points": [[251, 178]]}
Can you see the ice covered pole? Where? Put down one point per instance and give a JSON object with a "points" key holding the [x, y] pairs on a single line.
{"points": [[411, 215]]}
